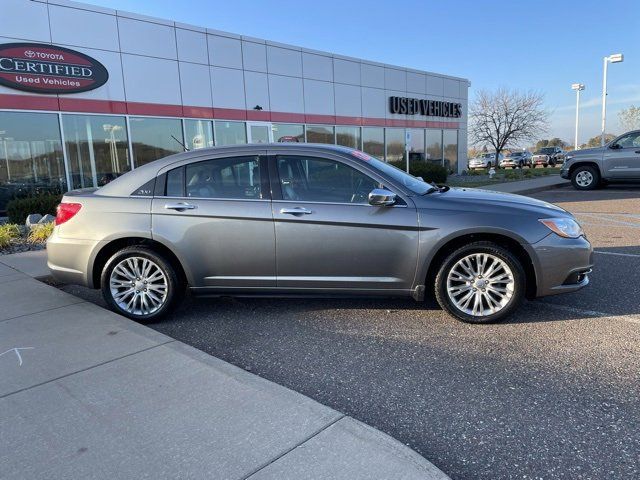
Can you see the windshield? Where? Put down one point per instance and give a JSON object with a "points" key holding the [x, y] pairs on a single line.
{"points": [[488, 155], [400, 176], [547, 150], [516, 154]]}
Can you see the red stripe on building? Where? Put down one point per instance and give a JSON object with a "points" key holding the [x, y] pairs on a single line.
{"points": [[70, 104]]}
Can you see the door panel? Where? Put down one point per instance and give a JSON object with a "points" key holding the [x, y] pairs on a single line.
{"points": [[338, 244], [224, 241], [624, 162]]}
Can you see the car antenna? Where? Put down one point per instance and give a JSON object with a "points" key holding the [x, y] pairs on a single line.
{"points": [[182, 144]]}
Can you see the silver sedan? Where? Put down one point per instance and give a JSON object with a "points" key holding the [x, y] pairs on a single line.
{"points": [[301, 219]]}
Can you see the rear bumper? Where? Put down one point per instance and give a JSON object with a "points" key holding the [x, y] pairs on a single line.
{"points": [[69, 260], [562, 264]]}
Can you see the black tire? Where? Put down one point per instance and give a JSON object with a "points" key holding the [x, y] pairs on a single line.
{"points": [[174, 285], [580, 175], [545, 165], [496, 250]]}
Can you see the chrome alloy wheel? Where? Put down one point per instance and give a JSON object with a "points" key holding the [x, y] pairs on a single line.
{"points": [[584, 178], [138, 286], [480, 284]]}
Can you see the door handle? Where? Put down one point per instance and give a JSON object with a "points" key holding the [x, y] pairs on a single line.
{"points": [[637, 151], [296, 211], [180, 206]]}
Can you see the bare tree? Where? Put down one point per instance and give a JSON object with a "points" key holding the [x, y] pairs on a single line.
{"points": [[506, 118], [629, 118]]}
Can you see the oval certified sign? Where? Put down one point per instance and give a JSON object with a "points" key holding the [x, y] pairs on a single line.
{"points": [[41, 68]]}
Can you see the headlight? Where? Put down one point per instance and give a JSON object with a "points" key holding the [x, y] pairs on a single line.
{"points": [[568, 157], [565, 227]]}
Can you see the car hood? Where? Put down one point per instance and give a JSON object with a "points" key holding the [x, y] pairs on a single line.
{"points": [[586, 151], [475, 199]]}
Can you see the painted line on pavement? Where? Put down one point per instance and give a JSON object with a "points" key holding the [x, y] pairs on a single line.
{"points": [[594, 313], [634, 255]]}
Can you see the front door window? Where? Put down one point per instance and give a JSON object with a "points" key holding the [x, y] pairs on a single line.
{"points": [[320, 180]]}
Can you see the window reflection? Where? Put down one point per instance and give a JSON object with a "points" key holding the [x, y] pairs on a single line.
{"points": [[348, 137], [230, 133], [97, 149], [395, 144], [450, 141], [31, 159], [287, 132], [416, 147], [373, 141], [320, 134], [199, 134], [154, 138], [434, 146]]}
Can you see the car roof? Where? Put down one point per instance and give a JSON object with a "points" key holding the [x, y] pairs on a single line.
{"points": [[134, 179]]}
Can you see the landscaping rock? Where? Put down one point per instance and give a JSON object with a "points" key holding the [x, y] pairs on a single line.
{"points": [[33, 219], [47, 219]]}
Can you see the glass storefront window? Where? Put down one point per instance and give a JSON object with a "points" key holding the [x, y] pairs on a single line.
{"points": [[154, 138], [97, 149], [373, 141], [198, 133], [434, 146], [230, 133], [416, 147], [450, 142], [395, 144], [31, 159], [348, 137], [320, 134], [288, 132]]}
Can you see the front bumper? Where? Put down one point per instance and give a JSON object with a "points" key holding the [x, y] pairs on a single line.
{"points": [[564, 172], [562, 264]]}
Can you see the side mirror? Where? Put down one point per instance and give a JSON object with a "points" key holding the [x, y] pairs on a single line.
{"points": [[382, 198], [615, 146], [420, 178]]}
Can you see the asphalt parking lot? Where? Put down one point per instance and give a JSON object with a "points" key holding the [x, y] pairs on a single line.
{"points": [[552, 393]]}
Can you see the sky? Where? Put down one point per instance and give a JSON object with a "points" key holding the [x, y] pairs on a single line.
{"points": [[542, 45]]}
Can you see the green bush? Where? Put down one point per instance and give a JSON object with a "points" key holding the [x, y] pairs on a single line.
{"points": [[430, 172], [20, 208]]}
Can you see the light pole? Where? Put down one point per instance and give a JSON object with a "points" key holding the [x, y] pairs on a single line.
{"points": [[614, 58], [578, 87]]}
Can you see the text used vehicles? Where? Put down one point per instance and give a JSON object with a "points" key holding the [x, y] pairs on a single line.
{"points": [[516, 160], [617, 161], [548, 156], [305, 219], [485, 160]]}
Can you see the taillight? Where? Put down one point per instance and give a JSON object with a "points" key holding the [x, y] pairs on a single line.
{"points": [[66, 211]]}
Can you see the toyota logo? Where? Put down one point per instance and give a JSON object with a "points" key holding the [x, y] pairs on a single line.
{"points": [[30, 53]]}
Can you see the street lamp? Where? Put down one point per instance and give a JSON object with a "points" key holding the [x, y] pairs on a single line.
{"points": [[578, 87], [614, 58]]}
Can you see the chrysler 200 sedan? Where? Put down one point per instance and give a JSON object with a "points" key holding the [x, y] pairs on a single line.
{"points": [[303, 219]]}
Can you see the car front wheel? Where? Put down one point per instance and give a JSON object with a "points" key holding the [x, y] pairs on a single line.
{"points": [[480, 283], [585, 178], [140, 284]]}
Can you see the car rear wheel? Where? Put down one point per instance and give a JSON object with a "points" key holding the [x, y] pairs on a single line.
{"points": [[140, 284], [585, 178], [480, 283]]}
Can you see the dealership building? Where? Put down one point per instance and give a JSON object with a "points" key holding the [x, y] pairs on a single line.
{"points": [[88, 93]]}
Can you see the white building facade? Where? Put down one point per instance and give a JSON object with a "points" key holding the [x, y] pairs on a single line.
{"points": [[88, 93]]}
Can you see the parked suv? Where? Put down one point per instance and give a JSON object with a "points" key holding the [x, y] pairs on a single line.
{"points": [[516, 160], [548, 156], [484, 160], [302, 219], [618, 160]]}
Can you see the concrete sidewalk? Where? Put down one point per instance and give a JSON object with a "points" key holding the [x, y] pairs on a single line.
{"points": [[533, 185], [88, 394]]}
